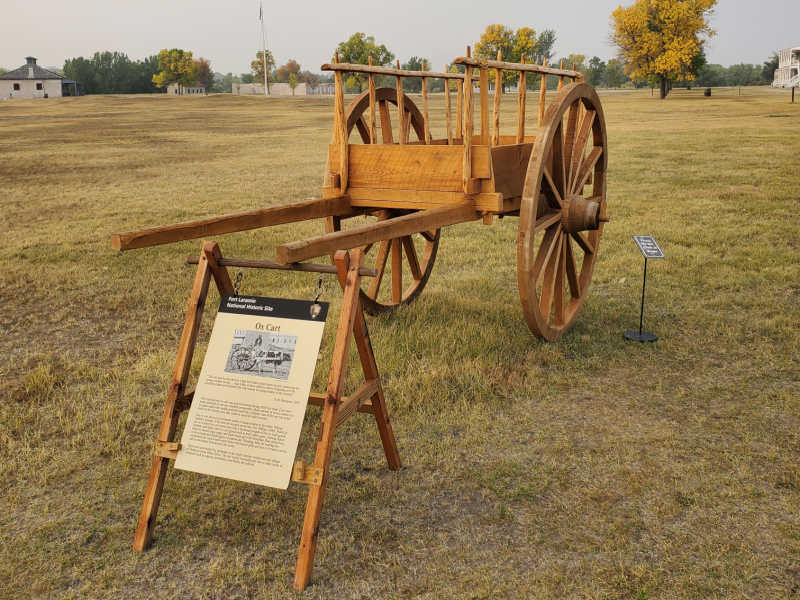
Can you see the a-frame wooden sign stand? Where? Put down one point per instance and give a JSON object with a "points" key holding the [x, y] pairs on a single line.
{"points": [[336, 408]]}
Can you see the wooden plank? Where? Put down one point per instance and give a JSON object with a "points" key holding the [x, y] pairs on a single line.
{"points": [[434, 167], [426, 125], [340, 125], [521, 99], [396, 72], [561, 78], [375, 232], [447, 111], [401, 111], [460, 112], [349, 405], [421, 200], [509, 66], [249, 263], [484, 83], [510, 164], [542, 93], [498, 87], [386, 123], [253, 219], [373, 138], [466, 163], [169, 420], [317, 399], [322, 457]]}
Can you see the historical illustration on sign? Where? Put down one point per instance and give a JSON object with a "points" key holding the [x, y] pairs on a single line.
{"points": [[262, 354], [248, 407]]}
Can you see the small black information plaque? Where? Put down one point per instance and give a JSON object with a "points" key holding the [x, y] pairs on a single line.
{"points": [[649, 246], [650, 249]]}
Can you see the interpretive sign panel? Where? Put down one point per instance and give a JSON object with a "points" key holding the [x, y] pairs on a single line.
{"points": [[648, 245], [248, 407]]}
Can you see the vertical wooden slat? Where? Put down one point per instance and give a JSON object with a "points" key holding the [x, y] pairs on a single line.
{"points": [[447, 109], [561, 77], [467, 162], [322, 457], [340, 124], [521, 105], [498, 87], [460, 110], [373, 138], [397, 271], [484, 82], [401, 109], [542, 94], [426, 123]]}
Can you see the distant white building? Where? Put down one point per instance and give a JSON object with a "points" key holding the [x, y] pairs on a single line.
{"points": [[275, 89], [177, 89], [32, 81], [788, 72]]}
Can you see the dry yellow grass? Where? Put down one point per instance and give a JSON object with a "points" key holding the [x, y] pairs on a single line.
{"points": [[589, 468]]}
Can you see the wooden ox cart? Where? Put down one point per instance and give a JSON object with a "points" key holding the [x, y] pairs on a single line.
{"points": [[392, 194]]}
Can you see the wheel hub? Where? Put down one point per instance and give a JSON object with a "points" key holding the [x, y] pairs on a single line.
{"points": [[580, 214]]}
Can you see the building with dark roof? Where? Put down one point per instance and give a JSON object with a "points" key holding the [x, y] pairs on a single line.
{"points": [[32, 81]]}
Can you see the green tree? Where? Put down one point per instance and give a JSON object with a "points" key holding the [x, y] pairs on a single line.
{"points": [[292, 82], [2, 70], [512, 45], [415, 63], [358, 48], [257, 67], [546, 40], [660, 39], [175, 66], [204, 74], [283, 72], [769, 68], [615, 73], [596, 72]]}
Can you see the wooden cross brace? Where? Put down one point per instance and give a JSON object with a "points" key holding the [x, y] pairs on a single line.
{"points": [[336, 408]]}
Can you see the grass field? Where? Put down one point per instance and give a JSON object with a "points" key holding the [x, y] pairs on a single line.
{"points": [[586, 468]]}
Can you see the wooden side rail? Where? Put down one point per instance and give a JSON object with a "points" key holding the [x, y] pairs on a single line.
{"points": [[375, 70], [509, 66], [424, 220], [252, 219], [249, 263]]}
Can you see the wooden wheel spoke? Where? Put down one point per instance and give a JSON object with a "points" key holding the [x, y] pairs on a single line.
{"points": [[549, 282], [569, 140], [558, 160], [558, 293], [546, 220], [411, 254], [579, 152], [586, 169], [386, 123], [380, 265], [572, 271], [397, 271], [363, 129], [549, 177], [428, 235], [585, 244], [551, 236]]}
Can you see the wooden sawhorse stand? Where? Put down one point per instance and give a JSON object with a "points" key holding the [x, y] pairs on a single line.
{"points": [[336, 408]]}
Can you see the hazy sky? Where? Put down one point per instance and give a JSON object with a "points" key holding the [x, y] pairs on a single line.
{"points": [[227, 32]]}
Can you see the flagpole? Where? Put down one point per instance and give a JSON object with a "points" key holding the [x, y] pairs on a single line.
{"points": [[263, 47]]}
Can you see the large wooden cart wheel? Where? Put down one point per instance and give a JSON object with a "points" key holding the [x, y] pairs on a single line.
{"points": [[563, 210], [404, 264]]}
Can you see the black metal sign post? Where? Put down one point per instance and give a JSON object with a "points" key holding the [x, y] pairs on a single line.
{"points": [[650, 249]]}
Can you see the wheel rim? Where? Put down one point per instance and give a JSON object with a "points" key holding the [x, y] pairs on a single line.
{"points": [[404, 264], [562, 215]]}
